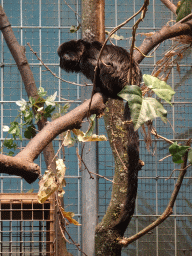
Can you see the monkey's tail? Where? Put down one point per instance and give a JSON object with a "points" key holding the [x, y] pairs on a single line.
{"points": [[133, 140], [133, 168]]}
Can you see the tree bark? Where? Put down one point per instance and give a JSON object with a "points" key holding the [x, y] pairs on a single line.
{"points": [[158, 37]]}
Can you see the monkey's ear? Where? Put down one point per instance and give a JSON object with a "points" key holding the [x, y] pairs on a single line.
{"points": [[66, 47], [77, 47], [70, 54]]}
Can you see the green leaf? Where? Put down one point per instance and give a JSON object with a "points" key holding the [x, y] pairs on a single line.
{"points": [[11, 153], [149, 110], [32, 100], [22, 103], [64, 109], [130, 92], [177, 152], [74, 29], [5, 128], [160, 88], [50, 101], [142, 109], [184, 9], [48, 110], [30, 132], [190, 156], [28, 116], [41, 92], [10, 144], [20, 137], [18, 132], [14, 128]]}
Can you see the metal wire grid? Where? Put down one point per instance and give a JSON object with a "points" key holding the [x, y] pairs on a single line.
{"points": [[45, 24], [173, 237], [26, 227]]}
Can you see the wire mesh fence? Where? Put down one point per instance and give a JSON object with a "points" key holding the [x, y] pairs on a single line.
{"points": [[45, 24], [27, 227]]}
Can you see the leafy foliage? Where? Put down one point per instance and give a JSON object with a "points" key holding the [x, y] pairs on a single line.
{"points": [[177, 152], [28, 117], [142, 108], [9, 143], [183, 9], [190, 156], [30, 132], [160, 88]]}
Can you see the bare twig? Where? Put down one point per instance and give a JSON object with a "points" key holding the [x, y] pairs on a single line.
{"points": [[101, 176], [178, 170], [81, 161], [161, 160], [56, 154], [96, 174], [171, 58], [62, 227], [186, 18], [154, 132], [62, 232], [163, 34], [76, 13], [48, 69], [77, 245], [144, 10], [150, 56]]}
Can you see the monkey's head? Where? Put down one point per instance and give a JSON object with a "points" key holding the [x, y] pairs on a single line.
{"points": [[70, 54]]}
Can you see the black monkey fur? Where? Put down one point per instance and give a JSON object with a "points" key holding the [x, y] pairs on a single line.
{"points": [[81, 56], [114, 64]]}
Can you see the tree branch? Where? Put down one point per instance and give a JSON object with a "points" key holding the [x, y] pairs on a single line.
{"points": [[25, 158], [168, 211], [18, 53], [166, 32], [19, 167], [69, 121], [22, 163], [169, 5]]}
